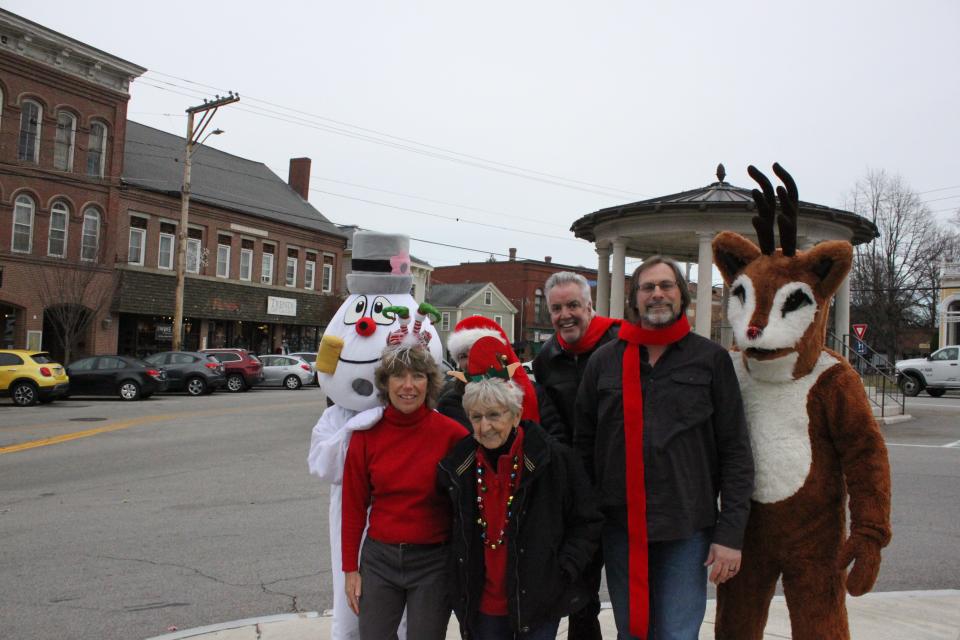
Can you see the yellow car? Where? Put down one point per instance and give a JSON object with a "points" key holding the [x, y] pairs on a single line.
{"points": [[31, 376]]}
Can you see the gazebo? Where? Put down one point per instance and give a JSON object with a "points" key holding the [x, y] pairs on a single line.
{"points": [[683, 225]]}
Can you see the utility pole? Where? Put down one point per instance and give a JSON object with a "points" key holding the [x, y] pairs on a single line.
{"points": [[208, 109]]}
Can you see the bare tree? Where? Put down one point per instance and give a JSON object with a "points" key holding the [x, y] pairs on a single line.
{"points": [[895, 279], [72, 297]]}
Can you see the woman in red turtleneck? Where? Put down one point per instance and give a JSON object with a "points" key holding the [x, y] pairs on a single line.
{"points": [[392, 471]]}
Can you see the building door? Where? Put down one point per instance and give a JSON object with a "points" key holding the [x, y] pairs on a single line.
{"points": [[8, 326]]}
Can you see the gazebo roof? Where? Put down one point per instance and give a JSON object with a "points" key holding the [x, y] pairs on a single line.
{"points": [[723, 199]]}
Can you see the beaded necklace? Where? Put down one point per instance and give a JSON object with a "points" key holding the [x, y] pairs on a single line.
{"points": [[482, 485]]}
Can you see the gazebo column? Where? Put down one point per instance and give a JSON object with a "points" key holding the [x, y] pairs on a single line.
{"points": [[603, 280], [616, 281], [841, 310], [704, 285]]}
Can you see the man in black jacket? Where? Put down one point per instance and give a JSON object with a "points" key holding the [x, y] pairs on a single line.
{"points": [[579, 331], [661, 426]]}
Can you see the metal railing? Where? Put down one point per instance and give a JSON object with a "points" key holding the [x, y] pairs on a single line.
{"points": [[879, 374]]}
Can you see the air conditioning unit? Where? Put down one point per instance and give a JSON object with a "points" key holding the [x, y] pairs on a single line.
{"points": [[266, 280]]}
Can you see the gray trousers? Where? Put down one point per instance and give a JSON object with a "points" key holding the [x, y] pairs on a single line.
{"points": [[394, 576]]}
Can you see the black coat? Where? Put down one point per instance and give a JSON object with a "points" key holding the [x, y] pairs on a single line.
{"points": [[450, 403], [551, 537], [695, 441], [558, 373]]}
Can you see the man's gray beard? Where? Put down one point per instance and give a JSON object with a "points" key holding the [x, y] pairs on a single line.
{"points": [[660, 318]]}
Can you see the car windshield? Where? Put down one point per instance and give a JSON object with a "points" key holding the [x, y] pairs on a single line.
{"points": [[41, 358], [254, 358], [143, 364], [155, 358]]}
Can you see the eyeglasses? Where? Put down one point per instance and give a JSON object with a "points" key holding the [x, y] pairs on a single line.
{"points": [[491, 416], [666, 286]]}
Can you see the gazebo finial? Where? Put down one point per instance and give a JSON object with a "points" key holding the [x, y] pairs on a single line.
{"points": [[721, 172]]}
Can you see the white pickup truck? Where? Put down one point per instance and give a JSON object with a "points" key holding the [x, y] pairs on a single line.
{"points": [[936, 373]]}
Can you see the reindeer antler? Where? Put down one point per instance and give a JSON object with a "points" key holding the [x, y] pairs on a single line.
{"points": [[789, 208], [766, 211]]}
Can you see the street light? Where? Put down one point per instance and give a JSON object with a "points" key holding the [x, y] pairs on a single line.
{"points": [[208, 109]]}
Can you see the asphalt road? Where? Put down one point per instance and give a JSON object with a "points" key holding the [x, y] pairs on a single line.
{"points": [[132, 518]]}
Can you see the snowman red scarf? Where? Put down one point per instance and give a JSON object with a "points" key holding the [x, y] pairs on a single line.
{"points": [[635, 335]]}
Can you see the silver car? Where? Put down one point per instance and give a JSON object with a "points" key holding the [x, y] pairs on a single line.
{"points": [[311, 358], [285, 371]]}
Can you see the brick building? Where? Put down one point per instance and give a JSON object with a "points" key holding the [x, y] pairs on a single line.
{"points": [[521, 281], [89, 210]]}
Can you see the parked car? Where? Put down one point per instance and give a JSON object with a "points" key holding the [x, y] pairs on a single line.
{"points": [[936, 373], [242, 368], [311, 358], [130, 378], [190, 371], [287, 371], [29, 377]]}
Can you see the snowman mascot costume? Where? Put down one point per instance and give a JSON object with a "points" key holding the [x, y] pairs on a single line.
{"points": [[379, 304]]}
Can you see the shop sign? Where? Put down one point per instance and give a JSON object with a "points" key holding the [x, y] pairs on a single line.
{"points": [[281, 306], [163, 332]]}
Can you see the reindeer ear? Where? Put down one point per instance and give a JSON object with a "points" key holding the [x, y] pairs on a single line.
{"points": [[830, 262], [732, 253]]}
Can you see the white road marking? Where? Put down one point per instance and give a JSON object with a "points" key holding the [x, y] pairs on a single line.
{"points": [[926, 446]]}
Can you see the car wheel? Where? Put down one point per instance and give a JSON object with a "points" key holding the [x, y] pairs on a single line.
{"points": [[235, 383], [910, 385], [936, 393], [129, 390], [292, 382], [24, 394], [196, 386]]}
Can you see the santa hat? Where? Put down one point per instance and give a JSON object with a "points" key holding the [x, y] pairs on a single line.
{"points": [[471, 329]]}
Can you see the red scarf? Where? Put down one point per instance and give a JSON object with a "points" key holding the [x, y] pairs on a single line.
{"points": [[595, 330], [635, 335]]}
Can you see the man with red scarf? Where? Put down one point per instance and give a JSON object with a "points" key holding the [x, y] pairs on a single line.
{"points": [[579, 331], [661, 426]]}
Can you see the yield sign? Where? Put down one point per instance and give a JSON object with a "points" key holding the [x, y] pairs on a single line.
{"points": [[859, 330]]}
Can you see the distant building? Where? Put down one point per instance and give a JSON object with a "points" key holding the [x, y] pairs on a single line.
{"points": [[521, 282], [458, 301], [949, 308]]}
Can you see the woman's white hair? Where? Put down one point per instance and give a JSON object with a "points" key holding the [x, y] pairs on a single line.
{"points": [[493, 392]]}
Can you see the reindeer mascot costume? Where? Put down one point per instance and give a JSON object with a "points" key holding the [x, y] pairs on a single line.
{"points": [[815, 441]]}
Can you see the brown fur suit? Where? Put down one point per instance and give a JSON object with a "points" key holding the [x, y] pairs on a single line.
{"points": [[813, 433]]}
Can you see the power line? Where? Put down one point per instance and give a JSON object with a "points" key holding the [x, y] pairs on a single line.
{"points": [[403, 139]]}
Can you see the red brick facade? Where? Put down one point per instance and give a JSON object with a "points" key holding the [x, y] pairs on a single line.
{"points": [[36, 188]]}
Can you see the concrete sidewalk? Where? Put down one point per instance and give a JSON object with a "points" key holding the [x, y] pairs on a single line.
{"points": [[902, 615]]}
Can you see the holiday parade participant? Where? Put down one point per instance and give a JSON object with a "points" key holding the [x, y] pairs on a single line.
{"points": [[379, 306], [391, 471], [662, 430], [525, 521]]}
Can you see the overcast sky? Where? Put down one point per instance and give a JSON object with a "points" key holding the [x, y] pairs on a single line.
{"points": [[497, 124]]}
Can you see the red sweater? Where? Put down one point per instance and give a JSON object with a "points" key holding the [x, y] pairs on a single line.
{"points": [[394, 467], [493, 600]]}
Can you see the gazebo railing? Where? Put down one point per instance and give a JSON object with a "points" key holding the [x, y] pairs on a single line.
{"points": [[879, 374]]}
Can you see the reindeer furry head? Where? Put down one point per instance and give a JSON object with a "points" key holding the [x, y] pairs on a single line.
{"points": [[779, 298]]}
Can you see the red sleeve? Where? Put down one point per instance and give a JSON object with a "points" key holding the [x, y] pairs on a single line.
{"points": [[356, 500]]}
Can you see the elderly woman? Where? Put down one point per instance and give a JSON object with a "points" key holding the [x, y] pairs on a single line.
{"points": [[391, 469], [525, 522]]}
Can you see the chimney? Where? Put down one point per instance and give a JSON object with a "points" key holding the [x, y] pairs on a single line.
{"points": [[513, 254], [299, 179], [548, 259]]}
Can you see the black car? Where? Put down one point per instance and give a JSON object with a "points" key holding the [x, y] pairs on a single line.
{"points": [[130, 378], [190, 371]]}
